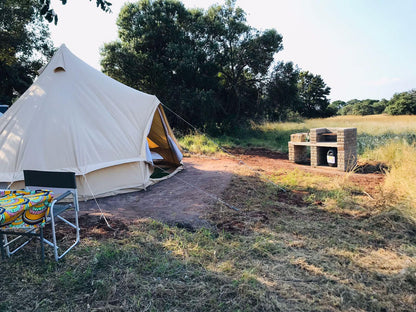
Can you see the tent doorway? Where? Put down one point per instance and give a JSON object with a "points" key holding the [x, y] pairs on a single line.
{"points": [[164, 149]]}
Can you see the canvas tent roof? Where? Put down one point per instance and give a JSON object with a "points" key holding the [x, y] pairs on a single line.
{"points": [[75, 118]]}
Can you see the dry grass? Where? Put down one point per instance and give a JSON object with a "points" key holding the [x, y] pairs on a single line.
{"points": [[373, 124], [373, 131], [313, 257], [400, 182], [281, 252]]}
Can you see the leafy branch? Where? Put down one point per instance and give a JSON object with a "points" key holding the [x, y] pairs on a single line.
{"points": [[51, 16]]}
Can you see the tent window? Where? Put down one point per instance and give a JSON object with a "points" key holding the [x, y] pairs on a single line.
{"points": [[59, 69]]}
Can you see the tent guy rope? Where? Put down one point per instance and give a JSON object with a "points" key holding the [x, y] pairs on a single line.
{"points": [[96, 202], [201, 190], [225, 150]]}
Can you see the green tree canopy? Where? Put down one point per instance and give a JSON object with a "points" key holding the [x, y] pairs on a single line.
{"points": [[157, 54], [380, 106], [244, 56], [335, 107], [282, 91], [208, 66], [365, 107], [51, 16], [313, 94], [402, 103], [24, 46], [362, 107]]}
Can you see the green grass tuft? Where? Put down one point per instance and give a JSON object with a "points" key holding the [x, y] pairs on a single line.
{"points": [[199, 144]]}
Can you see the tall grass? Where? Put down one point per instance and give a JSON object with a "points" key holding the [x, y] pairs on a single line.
{"points": [[373, 131], [400, 181], [374, 124], [381, 138], [366, 142]]}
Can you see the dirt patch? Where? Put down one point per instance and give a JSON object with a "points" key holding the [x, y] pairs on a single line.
{"points": [[242, 223], [95, 227], [185, 198], [294, 197], [369, 177], [180, 200], [259, 152]]}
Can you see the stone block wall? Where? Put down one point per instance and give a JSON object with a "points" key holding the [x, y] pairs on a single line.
{"points": [[298, 153], [345, 146], [315, 134]]}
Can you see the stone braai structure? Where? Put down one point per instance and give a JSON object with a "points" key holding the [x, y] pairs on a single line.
{"points": [[320, 140]]}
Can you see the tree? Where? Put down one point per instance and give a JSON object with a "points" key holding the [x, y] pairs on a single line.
{"points": [[335, 107], [243, 55], [364, 107], [24, 46], [159, 53], [208, 66], [282, 91], [51, 16], [380, 106], [313, 95], [402, 103]]}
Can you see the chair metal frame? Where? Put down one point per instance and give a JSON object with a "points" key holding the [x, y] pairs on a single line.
{"points": [[62, 184]]}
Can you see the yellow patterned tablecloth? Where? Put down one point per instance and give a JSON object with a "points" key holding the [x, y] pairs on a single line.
{"points": [[24, 209]]}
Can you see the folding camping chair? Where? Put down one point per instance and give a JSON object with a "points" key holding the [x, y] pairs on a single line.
{"points": [[63, 186]]}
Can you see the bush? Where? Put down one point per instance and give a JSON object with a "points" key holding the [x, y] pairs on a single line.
{"points": [[402, 104]]}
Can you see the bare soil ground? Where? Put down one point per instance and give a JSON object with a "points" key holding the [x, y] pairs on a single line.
{"points": [[185, 198]]}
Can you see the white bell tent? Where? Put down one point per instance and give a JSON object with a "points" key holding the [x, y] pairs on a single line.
{"points": [[75, 118]]}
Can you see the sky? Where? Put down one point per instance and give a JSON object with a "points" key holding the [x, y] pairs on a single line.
{"points": [[363, 49]]}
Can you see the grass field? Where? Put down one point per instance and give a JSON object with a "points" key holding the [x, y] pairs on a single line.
{"points": [[372, 124], [390, 140], [373, 131], [320, 245], [278, 253]]}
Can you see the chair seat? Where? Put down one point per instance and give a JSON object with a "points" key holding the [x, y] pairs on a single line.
{"points": [[34, 217], [60, 208]]}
